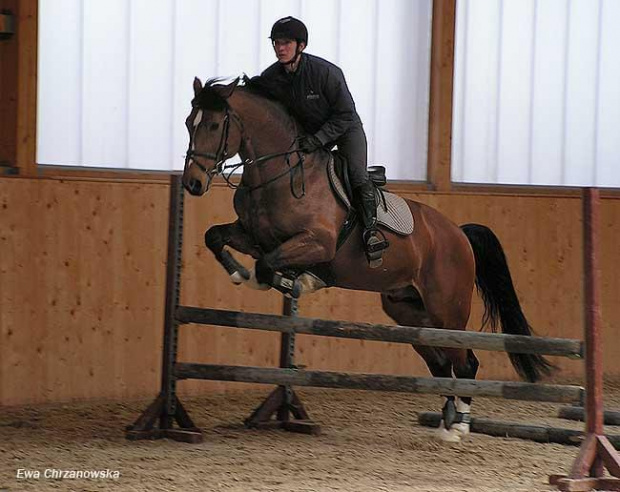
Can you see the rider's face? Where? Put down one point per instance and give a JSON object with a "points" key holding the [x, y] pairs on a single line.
{"points": [[285, 49]]}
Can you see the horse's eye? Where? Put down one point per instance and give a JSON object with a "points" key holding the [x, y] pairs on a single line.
{"points": [[214, 126]]}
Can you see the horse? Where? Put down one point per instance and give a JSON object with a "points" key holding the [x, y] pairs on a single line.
{"points": [[289, 222]]}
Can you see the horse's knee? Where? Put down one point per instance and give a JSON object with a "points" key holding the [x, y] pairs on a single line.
{"points": [[213, 239], [264, 271]]}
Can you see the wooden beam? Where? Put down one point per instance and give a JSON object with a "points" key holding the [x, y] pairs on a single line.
{"points": [[18, 89], [380, 382], [434, 337], [27, 35], [578, 413], [538, 433], [8, 94], [440, 105]]}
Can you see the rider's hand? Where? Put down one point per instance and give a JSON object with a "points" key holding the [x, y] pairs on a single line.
{"points": [[309, 143]]}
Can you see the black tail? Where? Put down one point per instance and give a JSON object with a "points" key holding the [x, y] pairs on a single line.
{"points": [[501, 303]]}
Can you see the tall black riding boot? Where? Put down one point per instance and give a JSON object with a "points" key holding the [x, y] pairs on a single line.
{"points": [[365, 203]]}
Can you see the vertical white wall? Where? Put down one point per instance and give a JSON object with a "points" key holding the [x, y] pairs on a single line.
{"points": [[115, 76], [537, 92]]}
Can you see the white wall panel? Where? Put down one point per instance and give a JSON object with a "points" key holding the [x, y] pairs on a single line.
{"points": [[608, 123], [127, 68], [401, 88], [549, 77], [357, 59], [105, 111], [324, 20], [239, 37], [536, 92], [581, 91], [150, 83], [476, 104], [195, 55], [515, 91], [59, 101]]}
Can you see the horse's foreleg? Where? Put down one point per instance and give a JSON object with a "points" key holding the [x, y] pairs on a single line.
{"points": [[280, 267], [220, 239]]}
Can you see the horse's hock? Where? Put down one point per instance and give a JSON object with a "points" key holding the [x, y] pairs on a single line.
{"points": [[283, 409]]}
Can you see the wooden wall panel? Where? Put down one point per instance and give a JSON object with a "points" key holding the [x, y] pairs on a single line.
{"points": [[82, 268], [82, 275]]}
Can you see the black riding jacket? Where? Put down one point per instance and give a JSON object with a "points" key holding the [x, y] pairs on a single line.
{"points": [[316, 94]]}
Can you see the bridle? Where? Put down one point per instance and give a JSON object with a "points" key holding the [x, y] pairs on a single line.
{"points": [[221, 156]]}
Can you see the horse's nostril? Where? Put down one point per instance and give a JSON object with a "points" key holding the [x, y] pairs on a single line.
{"points": [[195, 187]]}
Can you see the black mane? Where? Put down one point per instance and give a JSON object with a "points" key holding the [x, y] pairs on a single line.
{"points": [[208, 98], [259, 86]]}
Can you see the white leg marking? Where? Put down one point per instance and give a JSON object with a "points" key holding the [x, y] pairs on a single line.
{"points": [[237, 278], [458, 431]]}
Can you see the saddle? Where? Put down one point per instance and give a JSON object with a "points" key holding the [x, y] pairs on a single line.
{"points": [[393, 213]]}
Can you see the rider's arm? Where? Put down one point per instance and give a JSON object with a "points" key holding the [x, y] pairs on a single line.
{"points": [[343, 113]]}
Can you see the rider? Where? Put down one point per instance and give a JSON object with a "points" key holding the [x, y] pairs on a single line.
{"points": [[315, 92]]}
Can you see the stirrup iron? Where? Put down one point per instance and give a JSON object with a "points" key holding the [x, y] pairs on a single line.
{"points": [[374, 245]]}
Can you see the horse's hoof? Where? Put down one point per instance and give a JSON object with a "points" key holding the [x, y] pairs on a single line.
{"points": [[309, 283], [454, 434]]}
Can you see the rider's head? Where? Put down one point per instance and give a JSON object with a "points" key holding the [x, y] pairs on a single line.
{"points": [[289, 37]]}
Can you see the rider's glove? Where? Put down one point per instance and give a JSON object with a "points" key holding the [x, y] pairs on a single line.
{"points": [[309, 143]]}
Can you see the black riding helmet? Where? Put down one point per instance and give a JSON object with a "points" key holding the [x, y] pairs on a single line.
{"points": [[290, 28]]}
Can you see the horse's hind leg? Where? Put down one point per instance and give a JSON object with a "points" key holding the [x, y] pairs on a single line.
{"points": [[448, 303], [407, 308]]}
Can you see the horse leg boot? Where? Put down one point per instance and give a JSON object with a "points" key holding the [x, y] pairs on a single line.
{"points": [[365, 202]]}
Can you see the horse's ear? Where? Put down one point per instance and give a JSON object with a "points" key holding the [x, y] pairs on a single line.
{"points": [[226, 90], [197, 86]]}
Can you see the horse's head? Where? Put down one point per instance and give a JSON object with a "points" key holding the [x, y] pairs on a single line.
{"points": [[214, 135]]}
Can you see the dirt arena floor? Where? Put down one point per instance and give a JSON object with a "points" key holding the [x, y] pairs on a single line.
{"points": [[369, 442]]}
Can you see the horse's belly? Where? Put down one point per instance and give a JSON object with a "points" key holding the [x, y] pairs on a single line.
{"points": [[400, 268]]}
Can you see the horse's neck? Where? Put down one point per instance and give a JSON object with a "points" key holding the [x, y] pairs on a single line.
{"points": [[267, 131]]}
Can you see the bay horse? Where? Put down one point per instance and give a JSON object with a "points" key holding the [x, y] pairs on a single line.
{"points": [[289, 221]]}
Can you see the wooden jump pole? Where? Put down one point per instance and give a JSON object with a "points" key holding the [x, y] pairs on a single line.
{"points": [[511, 390], [596, 452], [435, 337], [538, 433], [579, 413]]}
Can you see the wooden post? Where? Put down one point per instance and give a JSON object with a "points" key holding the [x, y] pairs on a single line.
{"points": [[283, 401], [440, 104], [596, 452], [167, 409], [18, 97]]}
